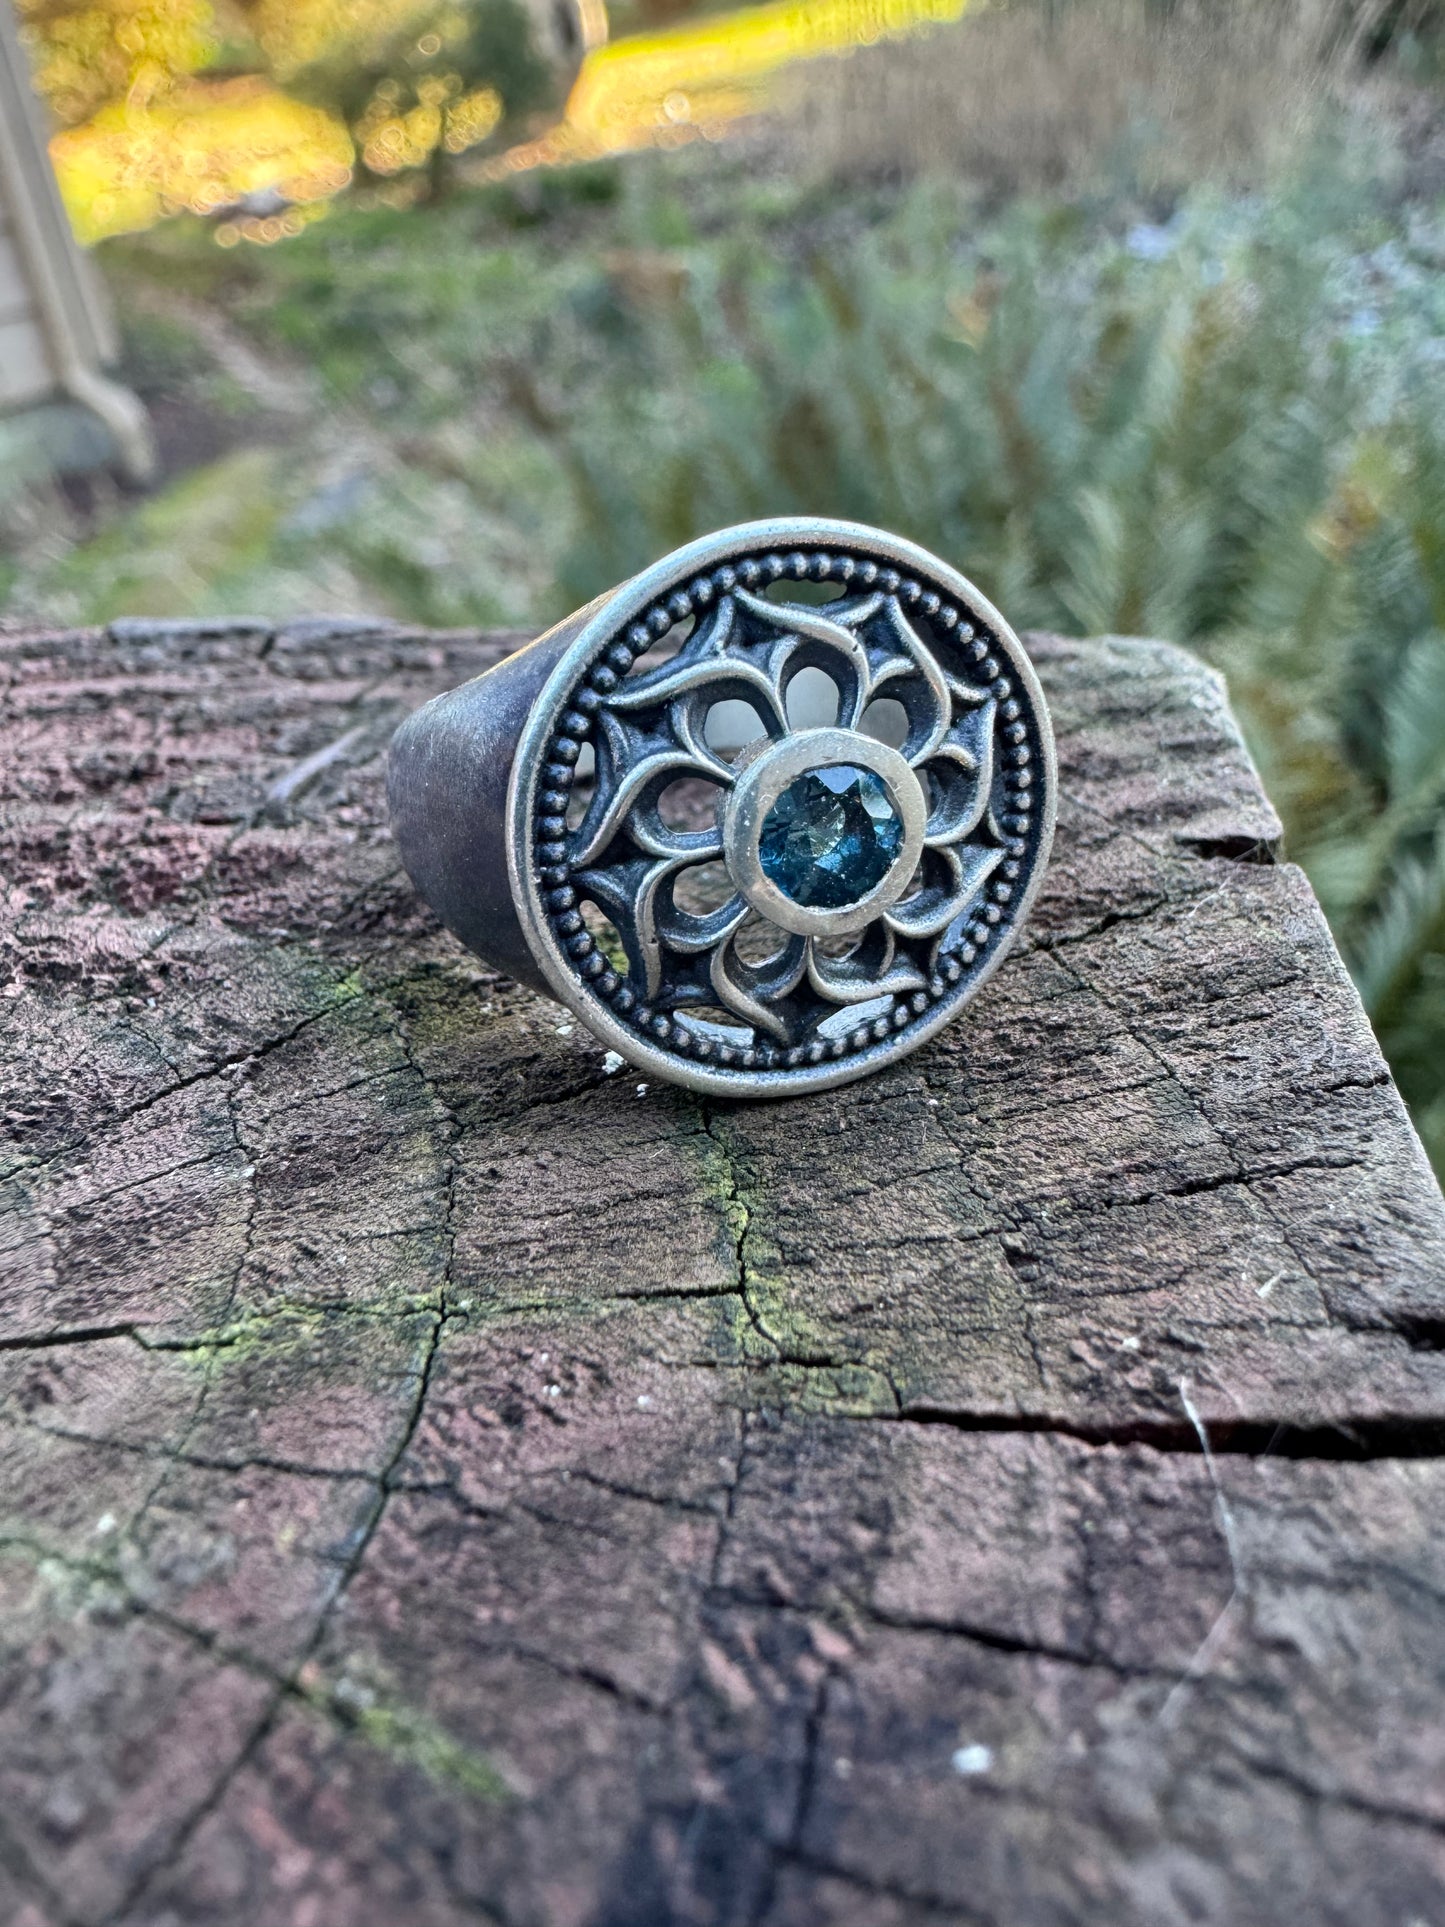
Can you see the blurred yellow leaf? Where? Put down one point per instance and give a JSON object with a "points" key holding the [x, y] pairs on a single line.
{"points": [[200, 148]]}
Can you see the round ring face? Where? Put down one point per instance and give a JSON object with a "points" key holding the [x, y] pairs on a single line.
{"points": [[781, 807]]}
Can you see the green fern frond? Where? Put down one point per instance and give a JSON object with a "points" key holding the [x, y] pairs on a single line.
{"points": [[1408, 928], [1414, 716]]}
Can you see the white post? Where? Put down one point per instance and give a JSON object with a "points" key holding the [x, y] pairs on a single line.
{"points": [[56, 330]]}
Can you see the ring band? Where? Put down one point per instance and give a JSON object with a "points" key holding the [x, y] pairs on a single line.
{"points": [[764, 817]]}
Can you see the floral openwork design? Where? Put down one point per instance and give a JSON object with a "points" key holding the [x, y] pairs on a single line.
{"points": [[815, 891]]}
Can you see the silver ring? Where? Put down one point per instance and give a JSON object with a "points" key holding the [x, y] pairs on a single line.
{"points": [[765, 817]]}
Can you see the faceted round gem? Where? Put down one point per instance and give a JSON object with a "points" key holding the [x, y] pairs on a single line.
{"points": [[831, 837]]}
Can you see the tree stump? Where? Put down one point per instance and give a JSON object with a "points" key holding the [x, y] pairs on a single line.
{"points": [[449, 1481]]}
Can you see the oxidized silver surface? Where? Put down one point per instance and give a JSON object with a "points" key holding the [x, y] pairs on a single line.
{"points": [[588, 814]]}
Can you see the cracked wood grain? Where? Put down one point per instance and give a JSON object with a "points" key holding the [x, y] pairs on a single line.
{"points": [[445, 1485]]}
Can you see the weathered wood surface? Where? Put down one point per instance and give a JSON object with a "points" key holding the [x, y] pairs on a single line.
{"points": [[444, 1482]]}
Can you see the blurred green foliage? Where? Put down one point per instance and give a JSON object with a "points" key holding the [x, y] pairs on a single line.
{"points": [[403, 94], [1222, 423], [1228, 430]]}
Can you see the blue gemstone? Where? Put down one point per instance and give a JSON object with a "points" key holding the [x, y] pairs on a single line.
{"points": [[831, 837]]}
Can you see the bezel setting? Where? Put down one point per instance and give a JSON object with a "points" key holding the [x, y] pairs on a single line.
{"points": [[758, 788]]}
